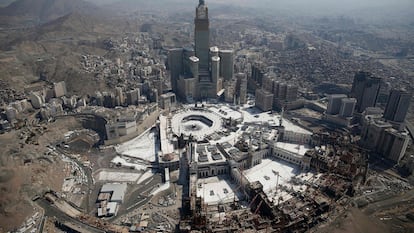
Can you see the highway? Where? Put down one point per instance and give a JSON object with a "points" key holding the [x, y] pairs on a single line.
{"points": [[406, 198]]}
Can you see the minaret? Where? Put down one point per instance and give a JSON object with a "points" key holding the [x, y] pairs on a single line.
{"points": [[202, 35]]}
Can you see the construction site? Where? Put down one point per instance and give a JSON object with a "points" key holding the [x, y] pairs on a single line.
{"points": [[294, 203]]}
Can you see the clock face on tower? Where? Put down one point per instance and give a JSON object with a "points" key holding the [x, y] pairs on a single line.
{"points": [[202, 12]]}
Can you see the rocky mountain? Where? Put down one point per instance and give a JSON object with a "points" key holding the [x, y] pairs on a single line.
{"points": [[153, 6], [102, 2], [41, 11]]}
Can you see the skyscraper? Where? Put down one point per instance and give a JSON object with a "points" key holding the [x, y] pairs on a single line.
{"points": [[334, 103], [340, 110], [365, 89], [380, 136], [268, 82], [347, 107], [397, 106], [264, 100], [175, 63], [241, 88], [393, 144], [227, 65], [258, 72], [291, 93]]}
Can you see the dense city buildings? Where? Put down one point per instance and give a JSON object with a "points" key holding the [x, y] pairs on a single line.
{"points": [[380, 137], [382, 132]]}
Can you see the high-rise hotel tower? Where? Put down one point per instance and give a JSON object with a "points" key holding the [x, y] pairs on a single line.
{"points": [[202, 35]]}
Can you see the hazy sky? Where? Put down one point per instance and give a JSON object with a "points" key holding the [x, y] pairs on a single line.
{"points": [[293, 3], [323, 5]]}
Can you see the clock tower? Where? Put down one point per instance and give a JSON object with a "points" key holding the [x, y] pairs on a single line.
{"points": [[202, 35]]}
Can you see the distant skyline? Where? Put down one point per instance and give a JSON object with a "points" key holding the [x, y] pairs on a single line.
{"points": [[399, 11], [369, 9]]}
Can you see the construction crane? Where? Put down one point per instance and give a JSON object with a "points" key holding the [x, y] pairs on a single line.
{"points": [[254, 198], [258, 207], [234, 193], [241, 181]]}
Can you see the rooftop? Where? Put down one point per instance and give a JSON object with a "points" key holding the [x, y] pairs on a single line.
{"points": [[268, 171], [194, 59], [142, 147], [294, 148], [118, 190], [226, 112], [217, 190], [206, 153], [253, 115], [166, 146]]}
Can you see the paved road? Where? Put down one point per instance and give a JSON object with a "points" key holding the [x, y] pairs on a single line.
{"points": [[42, 224], [52, 211], [410, 128], [139, 197]]}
